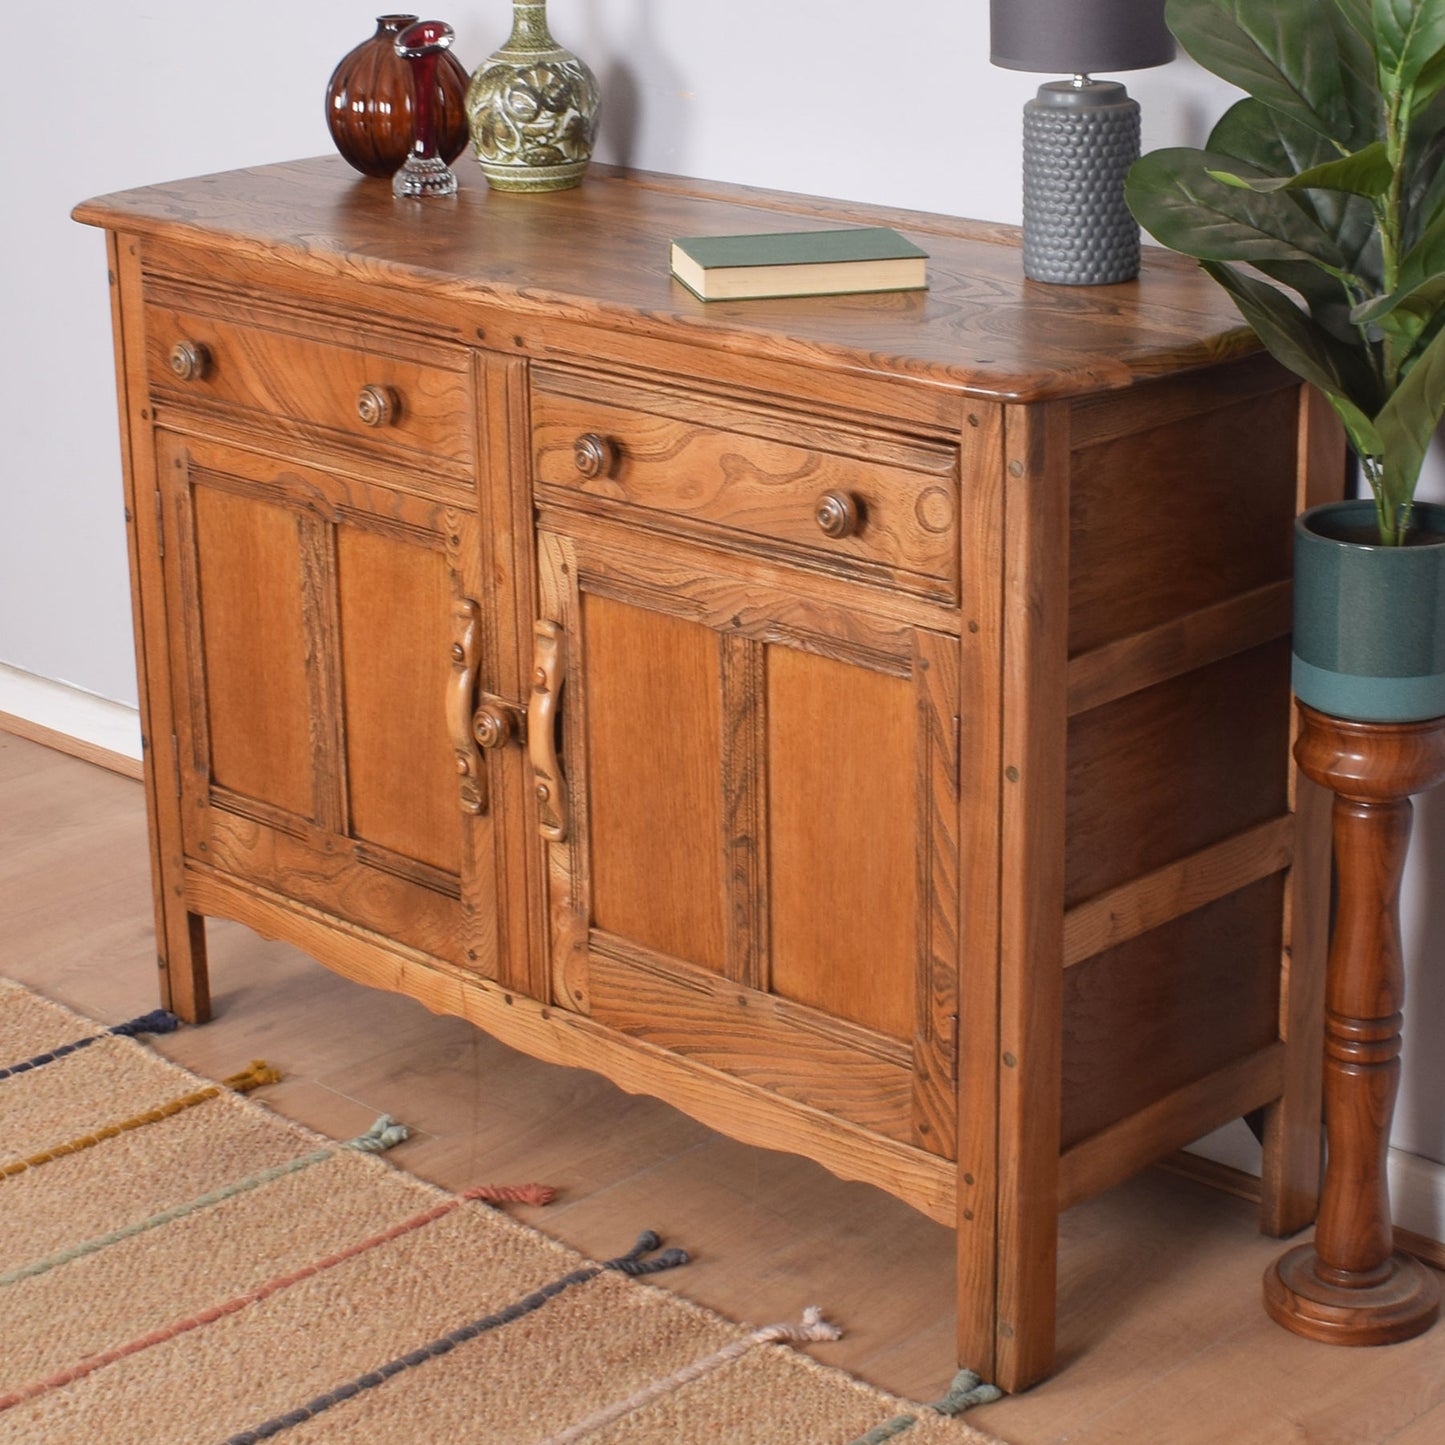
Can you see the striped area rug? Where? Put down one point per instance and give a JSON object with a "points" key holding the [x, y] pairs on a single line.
{"points": [[178, 1264]]}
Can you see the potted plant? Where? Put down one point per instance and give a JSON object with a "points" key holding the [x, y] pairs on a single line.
{"points": [[1319, 205]]}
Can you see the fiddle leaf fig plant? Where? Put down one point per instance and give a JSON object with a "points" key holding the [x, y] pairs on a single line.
{"points": [[1319, 205]]}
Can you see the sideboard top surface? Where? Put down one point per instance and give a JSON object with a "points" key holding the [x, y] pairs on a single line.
{"points": [[599, 254]]}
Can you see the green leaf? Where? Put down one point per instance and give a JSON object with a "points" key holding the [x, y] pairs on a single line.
{"points": [[1365, 173], [1424, 186], [1274, 145], [1173, 196], [1354, 34], [1300, 344], [1300, 59], [1431, 80], [1409, 36], [1406, 424]]}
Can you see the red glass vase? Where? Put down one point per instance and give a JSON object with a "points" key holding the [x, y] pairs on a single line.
{"points": [[369, 107]]}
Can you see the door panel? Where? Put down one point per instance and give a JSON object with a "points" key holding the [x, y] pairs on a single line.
{"points": [[314, 663], [841, 768], [253, 638], [653, 756], [760, 867], [394, 601]]}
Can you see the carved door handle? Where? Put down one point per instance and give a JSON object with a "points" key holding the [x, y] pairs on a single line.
{"points": [[466, 656], [548, 670]]}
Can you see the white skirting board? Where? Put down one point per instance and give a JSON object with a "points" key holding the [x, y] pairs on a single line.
{"points": [[96, 724], [1417, 1185]]}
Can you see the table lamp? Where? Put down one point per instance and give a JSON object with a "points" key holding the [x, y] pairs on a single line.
{"points": [[1080, 135]]}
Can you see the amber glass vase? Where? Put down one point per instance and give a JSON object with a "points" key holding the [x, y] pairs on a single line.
{"points": [[369, 106]]}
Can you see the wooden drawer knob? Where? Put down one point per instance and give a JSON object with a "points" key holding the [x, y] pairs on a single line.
{"points": [[377, 406], [837, 514], [190, 360], [595, 455]]}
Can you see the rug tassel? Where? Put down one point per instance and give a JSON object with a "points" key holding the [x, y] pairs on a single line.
{"points": [[812, 1330], [385, 1134], [258, 1074], [511, 1193], [157, 1021], [632, 1263], [966, 1391]]}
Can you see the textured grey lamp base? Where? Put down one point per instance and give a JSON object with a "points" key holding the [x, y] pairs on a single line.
{"points": [[1079, 142]]}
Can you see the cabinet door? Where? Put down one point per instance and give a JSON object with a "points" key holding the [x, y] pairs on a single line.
{"points": [[327, 654], [752, 813]]}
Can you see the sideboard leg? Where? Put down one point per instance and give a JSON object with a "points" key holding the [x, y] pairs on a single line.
{"points": [[185, 977], [1351, 1286]]}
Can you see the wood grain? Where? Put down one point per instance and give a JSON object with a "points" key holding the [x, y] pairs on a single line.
{"points": [[180, 936], [1146, 550], [841, 772], [1036, 562], [1161, 1335], [654, 765], [395, 652], [833, 776], [1148, 1016], [755, 472], [1133, 807], [599, 253], [257, 352], [253, 639], [1146, 902]]}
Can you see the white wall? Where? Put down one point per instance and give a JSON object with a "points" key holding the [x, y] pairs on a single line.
{"points": [[835, 97]]}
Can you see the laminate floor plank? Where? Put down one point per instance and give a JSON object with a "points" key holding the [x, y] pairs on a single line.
{"points": [[1162, 1339]]}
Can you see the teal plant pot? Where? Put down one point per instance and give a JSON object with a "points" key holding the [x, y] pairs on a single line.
{"points": [[1369, 621]]}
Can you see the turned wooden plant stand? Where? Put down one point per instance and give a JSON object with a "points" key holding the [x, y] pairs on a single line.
{"points": [[1350, 1286]]}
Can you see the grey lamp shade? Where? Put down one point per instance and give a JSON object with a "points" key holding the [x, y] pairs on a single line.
{"points": [[1079, 37]]}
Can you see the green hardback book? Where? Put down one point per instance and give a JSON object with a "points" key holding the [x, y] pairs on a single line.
{"points": [[798, 263]]}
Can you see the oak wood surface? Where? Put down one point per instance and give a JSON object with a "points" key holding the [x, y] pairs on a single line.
{"points": [[595, 252], [1160, 1333], [653, 746], [1032, 859], [180, 935], [787, 829], [756, 472], [841, 766]]}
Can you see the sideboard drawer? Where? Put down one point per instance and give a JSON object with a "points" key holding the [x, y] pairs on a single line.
{"points": [[854, 499], [388, 393]]}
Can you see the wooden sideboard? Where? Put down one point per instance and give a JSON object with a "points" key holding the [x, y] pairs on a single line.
{"points": [[862, 722]]}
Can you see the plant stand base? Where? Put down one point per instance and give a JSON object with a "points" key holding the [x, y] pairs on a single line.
{"points": [[1351, 1286], [1402, 1305]]}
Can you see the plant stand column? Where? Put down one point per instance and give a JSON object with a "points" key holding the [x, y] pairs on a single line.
{"points": [[1350, 1286]]}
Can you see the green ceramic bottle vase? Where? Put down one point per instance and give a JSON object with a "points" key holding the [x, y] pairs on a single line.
{"points": [[532, 108]]}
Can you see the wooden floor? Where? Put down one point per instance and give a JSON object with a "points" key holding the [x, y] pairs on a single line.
{"points": [[1162, 1338]]}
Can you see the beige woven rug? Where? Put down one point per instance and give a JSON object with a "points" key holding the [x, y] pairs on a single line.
{"points": [[179, 1264]]}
